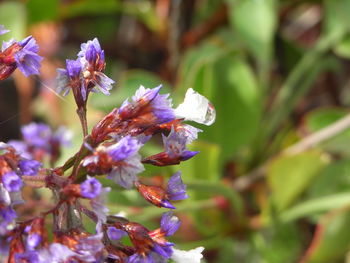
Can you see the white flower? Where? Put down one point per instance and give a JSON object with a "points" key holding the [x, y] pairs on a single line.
{"points": [[191, 256], [196, 108]]}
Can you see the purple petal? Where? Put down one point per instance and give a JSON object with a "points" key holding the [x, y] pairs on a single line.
{"points": [[176, 188], [188, 154], [3, 30], [125, 148], [74, 68], [29, 167], [90, 188], [169, 223], [125, 174], [115, 234], [12, 181], [103, 83]]}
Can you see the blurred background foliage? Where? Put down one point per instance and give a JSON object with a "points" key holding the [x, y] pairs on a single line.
{"points": [[272, 182]]}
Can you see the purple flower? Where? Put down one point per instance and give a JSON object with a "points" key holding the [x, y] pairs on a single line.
{"points": [[29, 167], [37, 134], [176, 188], [115, 234], [129, 161], [27, 58], [33, 240], [74, 68], [125, 174], [30, 256], [90, 188], [124, 148], [175, 146], [169, 224], [3, 30], [70, 78], [12, 181], [92, 52], [93, 59], [7, 217], [21, 148], [54, 253], [148, 101]]}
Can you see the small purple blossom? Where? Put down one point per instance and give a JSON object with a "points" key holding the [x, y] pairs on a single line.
{"points": [[33, 240], [124, 148], [27, 59], [175, 146], [74, 68], [125, 174], [12, 181], [115, 234], [160, 105], [176, 188], [29, 167], [7, 217], [169, 223], [90, 188], [125, 152], [37, 134]]}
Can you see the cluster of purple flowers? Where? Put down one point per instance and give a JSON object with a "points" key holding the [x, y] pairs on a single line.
{"points": [[113, 149], [19, 54]]}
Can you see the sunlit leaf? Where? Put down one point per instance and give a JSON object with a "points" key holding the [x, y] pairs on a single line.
{"points": [[255, 22], [289, 176]]}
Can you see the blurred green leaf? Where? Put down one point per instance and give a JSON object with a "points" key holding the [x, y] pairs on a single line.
{"points": [[332, 239], [315, 206], [90, 7], [337, 20], [229, 83], [35, 10], [15, 23], [289, 176], [255, 22], [204, 166], [342, 48], [278, 243], [333, 179]]}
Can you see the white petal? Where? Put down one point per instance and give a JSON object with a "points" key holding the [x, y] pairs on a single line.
{"points": [[191, 256], [196, 108]]}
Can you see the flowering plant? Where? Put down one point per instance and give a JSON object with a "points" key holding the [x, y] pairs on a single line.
{"points": [[58, 234]]}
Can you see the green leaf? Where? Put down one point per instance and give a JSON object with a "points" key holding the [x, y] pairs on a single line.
{"points": [[332, 239], [35, 10], [342, 48], [333, 179], [203, 166], [255, 22], [337, 20], [289, 176], [229, 83], [315, 206]]}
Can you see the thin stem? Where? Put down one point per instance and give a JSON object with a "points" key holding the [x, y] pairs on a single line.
{"points": [[307, 143], [81, 111]]}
